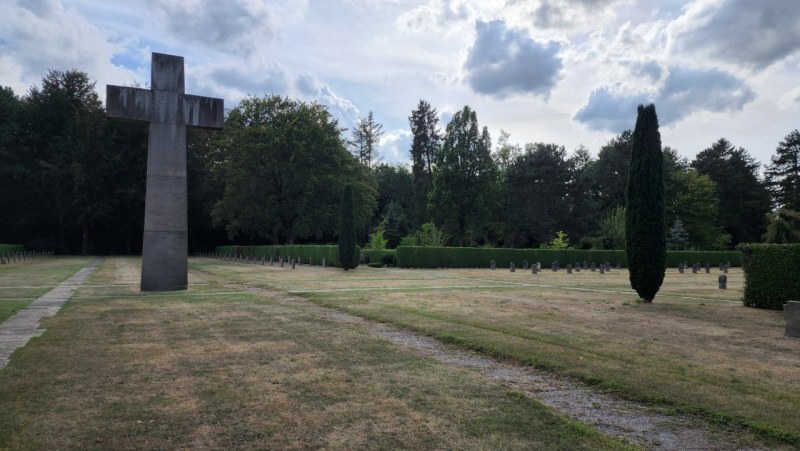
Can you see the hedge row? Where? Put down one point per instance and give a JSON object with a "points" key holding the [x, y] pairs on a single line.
{"points": [[304, 253], [382, 256], [9, 248], [468, 257], [772, 272]]}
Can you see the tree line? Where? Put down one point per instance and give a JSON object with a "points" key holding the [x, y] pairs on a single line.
{"points": [[73, 181]]}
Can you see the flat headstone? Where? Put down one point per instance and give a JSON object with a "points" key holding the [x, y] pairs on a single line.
{"points": [[168, 110], [791, 311]]}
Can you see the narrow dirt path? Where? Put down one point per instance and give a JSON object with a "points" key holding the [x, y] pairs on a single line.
{"points": [[642, 425]]}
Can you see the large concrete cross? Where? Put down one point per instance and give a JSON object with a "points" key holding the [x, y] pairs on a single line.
{"points": [[165, 248]]}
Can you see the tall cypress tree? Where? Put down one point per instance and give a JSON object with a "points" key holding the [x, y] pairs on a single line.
{"points": [[347, 231], [645, 230]]}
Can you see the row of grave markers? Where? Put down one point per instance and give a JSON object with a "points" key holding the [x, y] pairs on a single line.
{"points": [[13, 257], [696, 267], [722, 280], [256, 259], [555, 266]]}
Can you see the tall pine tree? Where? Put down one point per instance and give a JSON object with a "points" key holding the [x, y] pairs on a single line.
{"points": [[645, 231], [424, 146], [783, 175]]}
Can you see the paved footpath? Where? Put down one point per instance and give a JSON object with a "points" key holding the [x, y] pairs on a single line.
{"points": [[17, 330]]}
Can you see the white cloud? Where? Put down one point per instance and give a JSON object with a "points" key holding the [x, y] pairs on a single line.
{"points": [[505, 61], [753, 33], [39, 35], [395, 145], [790, 100], [683, 93]]}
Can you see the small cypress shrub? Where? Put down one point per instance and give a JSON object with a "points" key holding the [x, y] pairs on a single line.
{"points": [[348, 257], [645, 230]]}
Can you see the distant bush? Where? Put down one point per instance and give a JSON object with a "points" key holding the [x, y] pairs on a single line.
{"points": [[306, 253], [771, 276]]}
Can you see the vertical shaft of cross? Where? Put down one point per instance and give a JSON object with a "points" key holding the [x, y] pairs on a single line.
{"points": [[165, 245]]}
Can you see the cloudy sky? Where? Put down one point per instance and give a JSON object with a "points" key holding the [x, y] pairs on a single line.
{"points": [[563, 71]]}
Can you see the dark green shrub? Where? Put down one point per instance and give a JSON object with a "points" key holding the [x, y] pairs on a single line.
{"points": [[713, 257], [771, 277], [645, 230]]}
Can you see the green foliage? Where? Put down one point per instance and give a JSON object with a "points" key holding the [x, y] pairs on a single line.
{"points": [[560, 241], [429, 235], [425, 144], [307, 253], [783, 174], [376, 241], [464, 179], [783, 227], [284, 165], [9, 248], [695, 203], [678, 239], [610, 170], [347, 231], [743, 197], [644, 226], [612, 231], [538, 196], [771, 276]]}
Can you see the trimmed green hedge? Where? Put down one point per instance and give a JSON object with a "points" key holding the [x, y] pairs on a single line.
{"points": [[771, 277], [380, 256], [471, 257], [713, 257], [9, 248], [306, 253]]}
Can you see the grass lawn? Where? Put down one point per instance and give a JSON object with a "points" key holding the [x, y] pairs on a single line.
{"points": [[219, 367], [696, 348], [23, 282]]}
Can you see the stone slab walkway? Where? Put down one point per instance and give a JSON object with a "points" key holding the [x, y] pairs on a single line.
{"points": [[17, 330]]}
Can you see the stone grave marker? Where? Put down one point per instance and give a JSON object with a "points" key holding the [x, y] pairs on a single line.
{"points": [[569, 268], [695, 268], [323, 263], [593, 267], [293, 263], [723, 282], [524, 264], [168, 110], [680, 267], [534, 269], [492, 264], [725, 269], [513, 267], [791, 311], [602, 269]]}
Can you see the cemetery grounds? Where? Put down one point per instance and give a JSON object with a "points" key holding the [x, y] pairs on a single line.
{"points": [[251, 357]]}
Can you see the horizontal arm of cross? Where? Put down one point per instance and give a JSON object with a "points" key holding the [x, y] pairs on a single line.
{"points": [[141, 105]]}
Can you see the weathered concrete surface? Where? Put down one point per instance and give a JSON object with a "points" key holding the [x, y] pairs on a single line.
{"points": [[17, 330], [169, 111]]}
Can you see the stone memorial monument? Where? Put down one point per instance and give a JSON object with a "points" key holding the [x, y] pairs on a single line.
{"points": [[168, 110]]}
